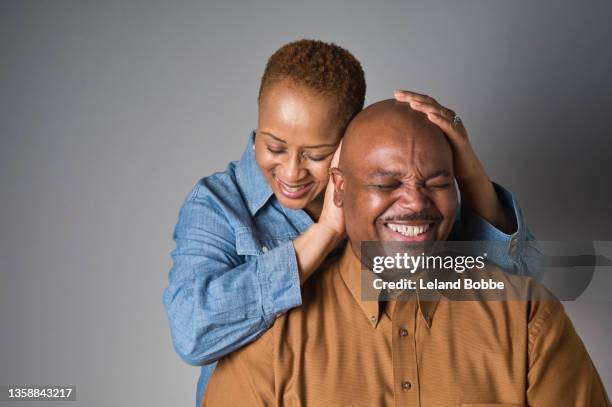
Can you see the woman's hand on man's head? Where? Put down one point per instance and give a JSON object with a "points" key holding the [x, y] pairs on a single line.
{"points": [[466, 163], [477, 191]]}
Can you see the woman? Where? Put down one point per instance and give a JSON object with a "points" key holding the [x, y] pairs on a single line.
{"points": [[249, 236]]}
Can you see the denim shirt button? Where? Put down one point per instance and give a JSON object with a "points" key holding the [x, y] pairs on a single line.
{"points": [[264, 249]]}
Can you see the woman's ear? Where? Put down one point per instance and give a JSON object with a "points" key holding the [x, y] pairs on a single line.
{"points": [[338, 180]]}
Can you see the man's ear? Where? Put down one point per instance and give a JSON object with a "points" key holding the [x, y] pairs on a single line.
{"points": [[338, 179]]}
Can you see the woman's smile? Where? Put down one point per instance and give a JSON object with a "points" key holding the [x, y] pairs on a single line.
{"points": [[294, 191]]}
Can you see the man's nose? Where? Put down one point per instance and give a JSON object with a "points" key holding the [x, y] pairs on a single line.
{"points": [[293, 169], [413, 198]]}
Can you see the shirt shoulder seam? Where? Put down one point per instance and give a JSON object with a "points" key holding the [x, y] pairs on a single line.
{"points": [[539, 322]]}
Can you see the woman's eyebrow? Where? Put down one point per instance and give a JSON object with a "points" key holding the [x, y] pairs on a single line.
{"points": [[273, 136], [284, 142], [322, 145]]}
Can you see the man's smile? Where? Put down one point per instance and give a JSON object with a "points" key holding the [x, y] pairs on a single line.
{"points": [[409, 231]]}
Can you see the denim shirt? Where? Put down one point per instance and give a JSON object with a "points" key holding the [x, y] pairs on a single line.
{"points": [[235, 269]]}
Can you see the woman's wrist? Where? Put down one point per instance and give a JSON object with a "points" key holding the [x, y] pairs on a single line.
{"points": [[329, 233], [313, 246]]}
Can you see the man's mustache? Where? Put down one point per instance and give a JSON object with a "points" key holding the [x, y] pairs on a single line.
{"points": [[418, 216]]}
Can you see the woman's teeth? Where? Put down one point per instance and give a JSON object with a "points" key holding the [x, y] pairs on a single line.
{"points": [[294, 189], [408, 230]]}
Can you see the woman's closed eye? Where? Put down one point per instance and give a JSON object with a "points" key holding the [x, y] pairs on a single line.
{"points": [[275, 150], [317, 157], [312, 157]]}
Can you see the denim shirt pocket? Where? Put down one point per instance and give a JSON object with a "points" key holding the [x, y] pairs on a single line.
{"points": [[252, 243]]}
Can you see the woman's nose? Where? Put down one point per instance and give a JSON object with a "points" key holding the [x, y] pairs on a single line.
{"points": [[293, 169]]}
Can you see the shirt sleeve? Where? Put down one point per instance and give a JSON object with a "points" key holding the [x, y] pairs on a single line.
{"points": [[517, 252], [217, 300], [561, 372]]}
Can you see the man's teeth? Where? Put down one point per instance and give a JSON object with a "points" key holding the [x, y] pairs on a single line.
{"points": [[408, 230]]}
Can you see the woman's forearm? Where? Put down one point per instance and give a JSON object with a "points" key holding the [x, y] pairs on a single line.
{"points": [[478, 194], [313, 246]]}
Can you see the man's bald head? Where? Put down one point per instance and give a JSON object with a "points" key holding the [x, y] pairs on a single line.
{"points": [[395, 180], [387, 119]]}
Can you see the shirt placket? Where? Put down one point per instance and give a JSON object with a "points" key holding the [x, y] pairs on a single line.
{"points": [[403, 346]]}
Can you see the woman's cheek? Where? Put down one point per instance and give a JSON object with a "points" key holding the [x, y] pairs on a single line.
{"points": [[270, 161], [322, 170]]}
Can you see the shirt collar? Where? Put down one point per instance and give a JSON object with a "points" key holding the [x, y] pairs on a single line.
{"points": [[252, 182], [358, 281], [350, 271]]}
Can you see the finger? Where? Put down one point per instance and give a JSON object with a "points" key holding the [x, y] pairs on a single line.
{"points": [[433, 108], [455, 133], [403, 95], [406, 96]]}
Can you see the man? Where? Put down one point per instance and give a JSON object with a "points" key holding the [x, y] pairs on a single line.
{"points": [[395, 183]]}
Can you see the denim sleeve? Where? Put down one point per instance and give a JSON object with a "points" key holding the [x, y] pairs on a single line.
{"points": [[217, 300], [518, 252]]}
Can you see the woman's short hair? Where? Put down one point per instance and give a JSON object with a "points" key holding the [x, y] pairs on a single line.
{"points": [[323, 68]]}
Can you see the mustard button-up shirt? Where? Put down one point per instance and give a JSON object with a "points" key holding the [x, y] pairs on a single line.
{"points": [[338, 350]]}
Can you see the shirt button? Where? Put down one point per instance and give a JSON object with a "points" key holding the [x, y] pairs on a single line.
{"points": [[406, 385], [264, 248], [403, 332], [373, 318]]}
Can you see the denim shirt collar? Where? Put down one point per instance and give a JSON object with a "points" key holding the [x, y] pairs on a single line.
{"points": [[252, 182]]}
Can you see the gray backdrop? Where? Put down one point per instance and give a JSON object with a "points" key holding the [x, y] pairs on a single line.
{"points": [[111, 110]]}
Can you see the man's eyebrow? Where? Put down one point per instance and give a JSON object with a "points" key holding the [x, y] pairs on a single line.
{"points": [[384, 173], [439, 173], [284, 142], [396, 174]]}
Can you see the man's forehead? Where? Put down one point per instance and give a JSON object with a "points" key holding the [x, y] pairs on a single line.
{"points": [[397, 154]]}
